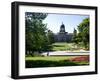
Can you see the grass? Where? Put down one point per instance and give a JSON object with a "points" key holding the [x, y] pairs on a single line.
{"points": [[51, 61], [83, 63], [54, 61], [51, 58], [62, 46]]}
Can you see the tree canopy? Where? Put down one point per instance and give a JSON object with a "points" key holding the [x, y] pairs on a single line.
{"points": [[36, 39], [83, 33]]}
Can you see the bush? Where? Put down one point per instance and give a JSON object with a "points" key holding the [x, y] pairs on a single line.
{"points": [[45, 63], [34, 55]]}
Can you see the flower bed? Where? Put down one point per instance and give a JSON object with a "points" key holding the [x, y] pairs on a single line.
{"points": [[80, 59]]}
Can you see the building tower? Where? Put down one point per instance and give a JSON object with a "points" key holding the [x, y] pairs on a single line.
{"points": [[62, 28], [62, 35]]}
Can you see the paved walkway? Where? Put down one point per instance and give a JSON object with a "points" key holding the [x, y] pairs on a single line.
{"points": [[65, 53]]}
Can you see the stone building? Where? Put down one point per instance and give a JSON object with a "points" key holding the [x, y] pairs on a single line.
{"points": [[62, 35]]}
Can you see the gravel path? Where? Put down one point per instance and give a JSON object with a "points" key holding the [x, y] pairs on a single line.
{"points": [[65, 53]]}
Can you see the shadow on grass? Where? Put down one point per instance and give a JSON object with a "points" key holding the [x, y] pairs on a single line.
{"points": [[58, 45], [44, 63]]}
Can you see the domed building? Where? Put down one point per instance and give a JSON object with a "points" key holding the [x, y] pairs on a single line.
{"points": [[62, 35]]}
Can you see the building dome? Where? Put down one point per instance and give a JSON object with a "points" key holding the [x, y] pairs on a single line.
{"points": [[62, 28], [63, 36]]}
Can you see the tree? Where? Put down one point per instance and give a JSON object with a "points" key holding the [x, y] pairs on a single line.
{"points": [[82, 37], [83, 34], [50, 37], [36, 39], [74, 39]]}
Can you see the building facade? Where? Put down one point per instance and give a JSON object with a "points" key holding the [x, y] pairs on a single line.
{"points": [[62, 35]]}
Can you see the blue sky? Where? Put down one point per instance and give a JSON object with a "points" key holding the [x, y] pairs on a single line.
{"points": [[54, 21]]}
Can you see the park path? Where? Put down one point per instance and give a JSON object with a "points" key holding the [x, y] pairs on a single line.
{"points": [[65, 53]]}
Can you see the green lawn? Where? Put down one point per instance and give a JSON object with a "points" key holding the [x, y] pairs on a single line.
{"points": [[51, 58], [62, 46], [54, 61], [51, 61]]}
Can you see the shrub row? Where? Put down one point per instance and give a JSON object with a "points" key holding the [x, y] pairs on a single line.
{"points": [[45, 63]]}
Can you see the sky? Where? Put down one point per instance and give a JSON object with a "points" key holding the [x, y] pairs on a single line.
{"points": [[54, 21]]}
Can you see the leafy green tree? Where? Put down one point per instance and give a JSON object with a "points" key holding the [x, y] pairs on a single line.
{"points": [[82, 37], [83, 34], [74, 39], [36, 39], [50, 35]]}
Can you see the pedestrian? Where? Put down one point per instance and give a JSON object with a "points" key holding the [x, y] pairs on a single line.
{"points": [[48, 53]]}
